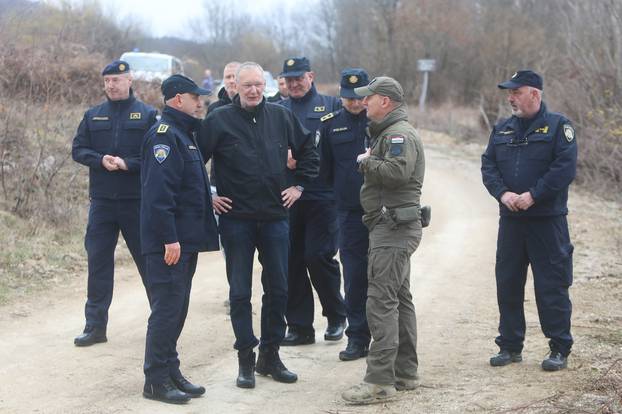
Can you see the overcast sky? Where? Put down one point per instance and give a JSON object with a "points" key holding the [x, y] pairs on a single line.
{"points": [[170, 17]]}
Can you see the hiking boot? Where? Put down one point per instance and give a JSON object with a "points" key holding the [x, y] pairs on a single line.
{"points": [[246, 372], [405, 384], [269, 363], [505, 357], [555, 362], [366, 393], [353, 351]]}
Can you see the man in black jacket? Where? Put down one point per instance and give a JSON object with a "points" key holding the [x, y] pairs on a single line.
{"points": [[108, 141], [248, 141]]}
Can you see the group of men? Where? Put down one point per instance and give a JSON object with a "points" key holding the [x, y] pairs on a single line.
{"points": [[297, 179]]}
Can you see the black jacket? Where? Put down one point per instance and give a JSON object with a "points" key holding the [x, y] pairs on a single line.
{"points": [[538, 155], [249, 151], [113, 128], [223, 99], [176, 203]]}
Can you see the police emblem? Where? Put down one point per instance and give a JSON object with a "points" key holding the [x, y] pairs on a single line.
{"points": [[290, 62], [353, 79], [160, 152], [568, 132], [134, 115], [121, 67]]}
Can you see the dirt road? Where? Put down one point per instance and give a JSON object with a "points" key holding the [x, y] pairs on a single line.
{"points": [[453, 286]]}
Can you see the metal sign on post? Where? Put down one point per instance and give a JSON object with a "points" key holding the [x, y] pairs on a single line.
{"points": [[426, 66]]}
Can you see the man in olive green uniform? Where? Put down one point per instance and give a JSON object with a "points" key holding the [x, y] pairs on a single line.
{"points": [[393, 169]]}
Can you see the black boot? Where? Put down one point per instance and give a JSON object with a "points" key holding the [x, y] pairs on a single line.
{"points": [[166, 392], [91, 336], [246, 373], [269, 363]]}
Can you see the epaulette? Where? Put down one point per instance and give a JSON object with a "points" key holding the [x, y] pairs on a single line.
{"points": [[327, 117], [162, 128]]}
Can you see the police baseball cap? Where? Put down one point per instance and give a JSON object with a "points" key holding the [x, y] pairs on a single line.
{"points": [[116, 68], [382, 85], [352, 78], [180, 84], [295, 67], [522, 78]]}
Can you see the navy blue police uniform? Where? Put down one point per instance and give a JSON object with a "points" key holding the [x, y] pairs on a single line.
{"points": [[313, 228], [537, 155], [176, 207], [343, 136], [114, 128]]}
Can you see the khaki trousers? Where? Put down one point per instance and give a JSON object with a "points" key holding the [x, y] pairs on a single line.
{"points": [[390, 309]]}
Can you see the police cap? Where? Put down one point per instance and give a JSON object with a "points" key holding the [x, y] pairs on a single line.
{"points": [[382, 85], [522, 78], [352, 78], [180, 84], [116, 68], [295, 67]]}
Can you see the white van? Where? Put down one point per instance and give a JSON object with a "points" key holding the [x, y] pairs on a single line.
{"points": [[152, 66]]}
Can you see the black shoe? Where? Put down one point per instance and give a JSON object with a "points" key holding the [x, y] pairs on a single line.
{"points": [[505, 357], [166, 392], [353, 351], [294, 338], [91, 336], [269, 363], [246, 372], [186, 386], [555, 362], [334, 331]]}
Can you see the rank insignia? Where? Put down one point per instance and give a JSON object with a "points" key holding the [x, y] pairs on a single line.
{"points": [[327, 117], [319, 109], [568, 132], [160, 152], [543, 130], [121, 67], [135, 115], [290, 62], [353, 79], [162, 129]]}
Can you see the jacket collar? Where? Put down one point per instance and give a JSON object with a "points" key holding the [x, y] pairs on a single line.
{"points": [[396, 115], [224, 96], [249, 114], [311, 93], [123, 102], [183, 121]]}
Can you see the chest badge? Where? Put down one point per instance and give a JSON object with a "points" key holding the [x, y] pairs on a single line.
{"points": [[160, 152], [319, 109], [568, 132], [135, 115]]}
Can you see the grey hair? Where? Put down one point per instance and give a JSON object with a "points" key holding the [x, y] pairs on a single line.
{"points": [[248, 65]]}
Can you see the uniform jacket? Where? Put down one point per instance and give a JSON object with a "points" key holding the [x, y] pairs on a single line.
{"points": [[309, 110], [539, 156], [343, 136], [394, 171], [249, 151], [115, 128], [176, 203]]}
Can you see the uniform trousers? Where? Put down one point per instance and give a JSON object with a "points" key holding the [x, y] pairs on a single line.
{"points": [[106, 218], [390, 309], [169, 287], [313, 246], [543, 243]]}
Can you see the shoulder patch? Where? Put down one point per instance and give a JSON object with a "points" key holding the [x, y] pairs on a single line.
{"points": [[160, 152], [327, 116], [568, 132], [162, 129]]}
